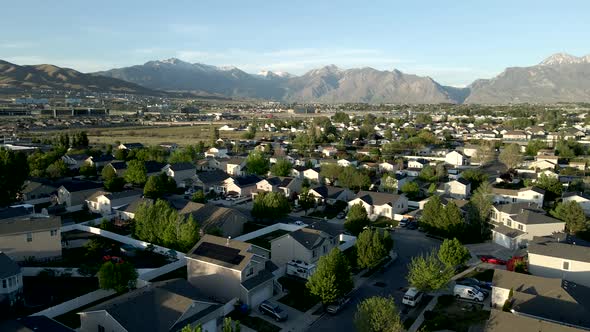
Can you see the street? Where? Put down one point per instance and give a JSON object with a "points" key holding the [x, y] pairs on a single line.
{"points": [[407, 243]]}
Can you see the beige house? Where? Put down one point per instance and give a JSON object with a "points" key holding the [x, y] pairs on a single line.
{"points": [[165, 306], [182, 173], [37, 236], [459, 188], [287, 185], [216, 152], [556, 257], [228, 221], [312, 174], [235, 166], [74, 194], [330, 194], [380, 204], [524, 195], [105, 202], [306, 245], [456, 158], [224, 269], [514, 225], [242, 186], [543, 299]]}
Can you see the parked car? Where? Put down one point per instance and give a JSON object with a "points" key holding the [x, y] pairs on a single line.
{"points": [[273, 310], [468, 293], [404, 222], [476, 282], [341, 215], [412, 297], [335, 307], [299, 223], [492, 260], [412, 225]]}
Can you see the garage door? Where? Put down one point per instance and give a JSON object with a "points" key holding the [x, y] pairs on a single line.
{"points": [[260, 294]]}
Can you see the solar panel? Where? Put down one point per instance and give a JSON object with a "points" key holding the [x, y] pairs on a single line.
{"points": [[218, 252]]}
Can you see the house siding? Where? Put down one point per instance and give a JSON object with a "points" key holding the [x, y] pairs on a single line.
{"points": [[43, 245], [552, 267], [214, 280]]}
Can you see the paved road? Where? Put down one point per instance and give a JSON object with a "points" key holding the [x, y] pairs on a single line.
{"points": [[408, 243]]}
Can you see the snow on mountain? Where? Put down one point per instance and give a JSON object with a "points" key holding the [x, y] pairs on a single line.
{"points": [[564, 59]]}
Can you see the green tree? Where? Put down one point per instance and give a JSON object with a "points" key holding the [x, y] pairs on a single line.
{"points": [[430, 213], [573, 215], [136, 172], [411, 189], [272, 205], [118, 277], [121, 154], [553, 188], [475, 176], [371, 248], [57, 170], [510, 156], [229, 326], [356, 219], [281, 168], [452, 253], [306, 200], [330, 171], [533, 146], [188, 328], [427, 273], [108, 173], [257, 163], [479, 208], [88, 170], [14, 170], [332, 278], [158, 185], [485, 153], [428, 174], [340, 117], [389, 183], [199, 197], [378, 314], [115, 184]]}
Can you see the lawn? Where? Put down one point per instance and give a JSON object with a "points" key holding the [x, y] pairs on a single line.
{"points": [[450, 314], [263, 241], [299, 296], [330, 211], [384, 222], [255, 323]]}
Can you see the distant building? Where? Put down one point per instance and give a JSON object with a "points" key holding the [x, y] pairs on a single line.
{"points": [[11, 281]]}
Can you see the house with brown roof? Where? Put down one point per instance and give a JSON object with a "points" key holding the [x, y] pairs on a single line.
{"points": [[224, 269], [210, 217]]}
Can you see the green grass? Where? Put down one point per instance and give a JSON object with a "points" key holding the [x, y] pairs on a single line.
{"points": [[384, 222], [299, 296], [455, 316], [263, 241], [255, 323]]}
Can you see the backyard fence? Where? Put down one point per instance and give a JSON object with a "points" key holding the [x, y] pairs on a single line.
{"points": [[76, 303]]}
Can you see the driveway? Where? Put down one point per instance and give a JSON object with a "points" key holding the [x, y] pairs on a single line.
{"points": [[292, 324], [391, 282]]}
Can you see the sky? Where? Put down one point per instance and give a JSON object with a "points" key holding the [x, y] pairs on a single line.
{"points": [[454, 42]]}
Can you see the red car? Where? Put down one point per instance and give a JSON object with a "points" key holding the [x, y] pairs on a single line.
{"points": [[492, 260]]}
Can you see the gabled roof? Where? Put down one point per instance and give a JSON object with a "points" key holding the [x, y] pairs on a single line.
{"points": [[7, 266], [549, 246], [133, 206], [211, 177], [28, 224], [501, 321], [33, 324], [11, 212], [103, 158], [153, 166], [516, 208], [377, 198], [182, 166], [246, 180], [119, 165], [529, 217], [76, 185], [220, 251], [158, 306], [309, 238], [328, 191], [212, 216], [131, 146]]}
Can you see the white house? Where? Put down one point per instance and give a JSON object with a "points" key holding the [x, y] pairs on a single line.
{"points": [[312, 174], [182, 173], [104, 202], [515, 225], [459, 188], [216, 152], [306, 244], [380, 204], [417, 163], [235, 166], [456, 158], [582, 199], [346, 162], [524, 195], [558, 257], [11, 280], [330, 194]]}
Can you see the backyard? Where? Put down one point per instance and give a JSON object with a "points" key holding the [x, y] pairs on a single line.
{"points": [[455, 315], [263, 241], [299, 296]]}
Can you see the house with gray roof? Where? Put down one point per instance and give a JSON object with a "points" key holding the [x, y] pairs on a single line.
{"points": [[36, 236], [305, 245], [182, 173], [330, 194], [163, 306], [546, 299], [514, 225], [73, 194], [560, 257], [501, 321], [380, 204], [228, 221], [105, 202], [11, 280], [224, 269]]}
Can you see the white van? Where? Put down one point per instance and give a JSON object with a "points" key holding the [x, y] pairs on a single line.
{"points": [[468, 292], [412, 297]]}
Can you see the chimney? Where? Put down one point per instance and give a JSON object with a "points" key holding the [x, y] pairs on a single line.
{"points": [[227, 242]]}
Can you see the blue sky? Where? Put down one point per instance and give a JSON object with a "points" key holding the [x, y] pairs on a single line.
{"points": [[454, 42]]}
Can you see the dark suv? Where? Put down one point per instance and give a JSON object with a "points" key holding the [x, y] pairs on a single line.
{"points": [[273, 310]]}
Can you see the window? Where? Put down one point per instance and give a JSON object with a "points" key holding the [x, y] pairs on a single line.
{"points": [[3, 283], [11, 282], [100, 328], [313, 254], [509, 223], [566, 265], [53, 232], [325, 249], [29, 237], [250, 272], [520, 227], [513, 200]]}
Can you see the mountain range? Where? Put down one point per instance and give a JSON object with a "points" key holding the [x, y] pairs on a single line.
{"points": [[559, 78], [15, 78]]}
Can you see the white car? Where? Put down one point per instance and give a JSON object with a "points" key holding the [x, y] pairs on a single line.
{"points": [[468, 293], [412, 297]]}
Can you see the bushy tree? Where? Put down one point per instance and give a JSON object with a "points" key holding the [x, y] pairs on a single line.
{"points": [[257, 163], [411, 189], [330, 172], [88, 170], [272, 205], [14, 170], [475, 176], [199, 197], [510, 156], [136, 172], [57, 170], [442, 220], [158, 185], [108, 173], [372, 247], [533, 146], [356, 219], [427, 273], [117, 276], [573, 215], [332, 278], [452, 253], [281, 168], [552, 186], [378, 314], [353, 179], [485, 153], [389, 183], [306, 200]]}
